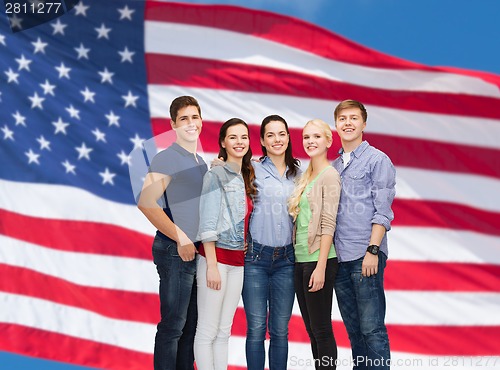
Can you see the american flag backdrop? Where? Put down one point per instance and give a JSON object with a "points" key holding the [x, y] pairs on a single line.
{"points": [[79, 94]]}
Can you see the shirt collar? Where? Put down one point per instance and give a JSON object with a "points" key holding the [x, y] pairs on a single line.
{"points": [[358, 151], [182, 151], [268, 162], [233, 168]]}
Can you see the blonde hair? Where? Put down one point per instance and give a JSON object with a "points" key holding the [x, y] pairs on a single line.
{"points": [[305, 178]]}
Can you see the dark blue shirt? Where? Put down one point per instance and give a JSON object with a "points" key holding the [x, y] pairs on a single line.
{"points": [[181, 200]]}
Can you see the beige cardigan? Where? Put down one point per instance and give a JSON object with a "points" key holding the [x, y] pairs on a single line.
{"points": [[323, 200]]}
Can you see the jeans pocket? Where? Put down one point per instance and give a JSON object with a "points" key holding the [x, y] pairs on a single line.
{"points": [[290, 257], [164, 248], [366, 286]]}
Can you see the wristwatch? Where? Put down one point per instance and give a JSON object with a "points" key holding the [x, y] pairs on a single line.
{"points": [[373, 249]]}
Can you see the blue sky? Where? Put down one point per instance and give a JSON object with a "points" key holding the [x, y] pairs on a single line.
{"points": [[458, 33]]}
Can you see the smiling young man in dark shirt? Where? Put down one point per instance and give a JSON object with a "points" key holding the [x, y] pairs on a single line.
{"points": [[175, 181]]}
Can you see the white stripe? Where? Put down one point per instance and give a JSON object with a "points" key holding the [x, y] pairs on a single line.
{"points": [[447, 308], [137, 275], [76, 322], [442, 309], [475, 191], [442, 245], [87, 269], [300, 358], [206, 42], [69, 203], [31, 199], [220, 105]]}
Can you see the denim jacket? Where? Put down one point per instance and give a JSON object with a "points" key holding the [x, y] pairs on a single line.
{"points": [[222, 208]]}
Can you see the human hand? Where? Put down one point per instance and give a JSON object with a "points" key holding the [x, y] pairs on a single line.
{"points": [[369, 266], [186, 251], [213, 278], [317, 280], [217, 162]]}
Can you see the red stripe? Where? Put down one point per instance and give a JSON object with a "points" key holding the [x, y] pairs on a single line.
{"points": [[214, 74], [76, 236], [426, 213], [143, 307], [53, 346], [288, 31], [123, 305], [425, 340], [438, 156], [423, 213], [406, 152]]}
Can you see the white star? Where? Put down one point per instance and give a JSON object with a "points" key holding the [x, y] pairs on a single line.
{"points": [[23, 63], [19, 119], [12, 76], [81, 9], [107, 76], [48, 88], [103, 31], [60, 126], [126, 13], [107, 177], [32, 156], [130, 99], [69, 167], [2, 40], [74, 113], [63, 71], [99, 135], [83, 151], [82, 51], [36, 101], [58, 27], [39, 46], [15, 22], [125, 158], [113, 119], [137, 141], [126, 55], [87, 95], [44, 144], [7, 133]]}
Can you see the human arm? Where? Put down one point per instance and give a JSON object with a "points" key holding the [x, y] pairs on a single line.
{"points": [[383, 192], [369, 266], [330, 196], [210, 204], [153, 188], [213, 275]]}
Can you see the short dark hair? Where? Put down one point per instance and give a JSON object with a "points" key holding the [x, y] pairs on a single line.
{"points": [[349, 103], [182, 102]]}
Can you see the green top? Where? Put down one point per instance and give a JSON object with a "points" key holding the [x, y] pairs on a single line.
{"points": [[301, 232]]}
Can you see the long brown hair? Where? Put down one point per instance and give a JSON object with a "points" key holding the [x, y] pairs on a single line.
{"points": [[247, 170]]}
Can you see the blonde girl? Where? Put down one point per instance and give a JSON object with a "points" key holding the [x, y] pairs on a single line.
{"points": [[314, 205]]}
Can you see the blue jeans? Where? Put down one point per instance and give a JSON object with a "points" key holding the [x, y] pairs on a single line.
{"points": [[361, 302], [175, 332], [268, 284]]}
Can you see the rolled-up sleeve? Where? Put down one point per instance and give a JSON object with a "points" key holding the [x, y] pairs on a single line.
{"points": [[383, 191], [210, 205], [330, 202]]}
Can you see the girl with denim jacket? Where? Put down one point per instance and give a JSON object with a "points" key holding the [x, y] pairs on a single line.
{"points": [[223, 208], [314, 206], [268, 287]]}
